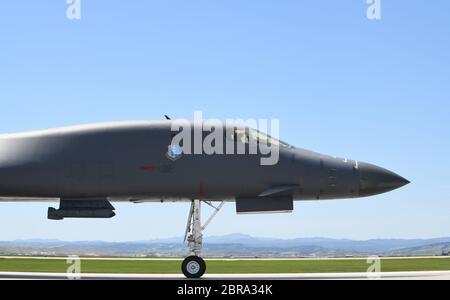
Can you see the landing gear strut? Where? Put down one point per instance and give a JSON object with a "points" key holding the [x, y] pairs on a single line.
{"points": [[194, 266]]}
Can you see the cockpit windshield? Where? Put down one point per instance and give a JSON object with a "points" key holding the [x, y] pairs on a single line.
{"points": [[250, 135]]}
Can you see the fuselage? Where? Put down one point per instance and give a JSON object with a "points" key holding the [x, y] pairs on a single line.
{"points": [[128, 161]]}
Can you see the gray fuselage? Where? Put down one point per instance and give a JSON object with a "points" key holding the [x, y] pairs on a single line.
{"points": [[129, 161]]}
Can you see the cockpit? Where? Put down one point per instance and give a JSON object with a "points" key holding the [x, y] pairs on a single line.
{"points": [[253, 136]]}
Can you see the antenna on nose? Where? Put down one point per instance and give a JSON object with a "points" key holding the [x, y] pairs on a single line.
{"points": [[167, 117]]}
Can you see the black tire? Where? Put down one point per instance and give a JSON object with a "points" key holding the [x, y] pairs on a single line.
{"points": [[193, 267]]}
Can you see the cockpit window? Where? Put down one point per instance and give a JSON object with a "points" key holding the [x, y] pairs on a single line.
{"points": [[247, 136]]}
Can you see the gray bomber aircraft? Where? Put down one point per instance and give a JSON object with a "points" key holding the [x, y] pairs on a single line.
{"points": [[85, 168]]}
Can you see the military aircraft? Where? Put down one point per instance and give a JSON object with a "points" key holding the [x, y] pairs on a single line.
{"points": [[87, 167]]}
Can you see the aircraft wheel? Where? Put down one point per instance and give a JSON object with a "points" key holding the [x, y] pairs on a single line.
{"points": [[193, 267]]}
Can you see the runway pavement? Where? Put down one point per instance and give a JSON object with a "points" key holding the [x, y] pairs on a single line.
{"points": [[220, 258], [441, 275]]}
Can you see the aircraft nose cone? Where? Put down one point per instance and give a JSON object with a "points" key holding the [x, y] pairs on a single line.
{"points": [[375, 180]]}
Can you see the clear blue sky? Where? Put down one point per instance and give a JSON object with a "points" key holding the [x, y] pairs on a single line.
{"points": [[377, 91]]}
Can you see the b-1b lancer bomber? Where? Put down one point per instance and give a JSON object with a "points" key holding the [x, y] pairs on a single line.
{"points": [[85, 168]]}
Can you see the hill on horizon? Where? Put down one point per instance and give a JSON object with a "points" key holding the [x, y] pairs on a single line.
{"points": [[238, 245]]}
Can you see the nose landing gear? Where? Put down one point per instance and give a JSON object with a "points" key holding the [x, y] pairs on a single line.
{"points": [[194, 266]]}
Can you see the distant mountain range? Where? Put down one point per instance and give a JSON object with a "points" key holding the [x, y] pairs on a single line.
{"points": [[233, 245]]}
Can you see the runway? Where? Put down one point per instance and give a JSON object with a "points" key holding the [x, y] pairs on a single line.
{"points": [[220, 258], [440, 275]]}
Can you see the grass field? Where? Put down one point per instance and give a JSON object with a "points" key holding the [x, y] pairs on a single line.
{"points": [[224, 266]]}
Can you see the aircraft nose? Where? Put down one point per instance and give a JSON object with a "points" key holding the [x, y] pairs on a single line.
{"points": [[375, 180]]}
